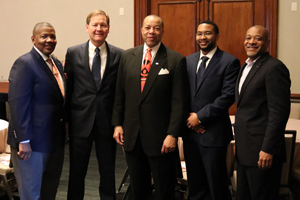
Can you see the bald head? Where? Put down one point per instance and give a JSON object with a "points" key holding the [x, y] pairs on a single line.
{"points": [[154, 17], [261, 29]]}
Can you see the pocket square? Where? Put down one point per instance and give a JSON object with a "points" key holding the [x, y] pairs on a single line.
{"points": [[163, 71]]}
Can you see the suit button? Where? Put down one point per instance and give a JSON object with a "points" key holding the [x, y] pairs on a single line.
{"points": [[61, 120]]}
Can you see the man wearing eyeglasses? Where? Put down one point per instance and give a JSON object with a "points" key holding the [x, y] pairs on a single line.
{"points": [[212, 75], [91, 70]]}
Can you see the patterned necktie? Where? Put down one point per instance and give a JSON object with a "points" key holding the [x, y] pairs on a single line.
{"points": [[56, 75], [96, 68], [201, 70], [145, 68]]}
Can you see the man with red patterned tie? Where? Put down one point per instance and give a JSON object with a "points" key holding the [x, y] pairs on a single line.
{"points": [[150, 110]]}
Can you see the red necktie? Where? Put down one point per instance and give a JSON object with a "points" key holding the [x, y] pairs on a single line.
{"points": [[56, 75], [145, 68]]}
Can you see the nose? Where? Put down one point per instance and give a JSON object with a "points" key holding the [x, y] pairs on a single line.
{"points": [[252, 40], [151, 30], [49, 39]]}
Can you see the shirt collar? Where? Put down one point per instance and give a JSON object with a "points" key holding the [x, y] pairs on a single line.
{"points": [[92, 47], [154, 49], [248, 60], [43, 55], [209, 55]]}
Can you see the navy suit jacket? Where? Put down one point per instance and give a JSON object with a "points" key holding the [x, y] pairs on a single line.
{"points": [[85, 103], [263, 108], [212, 97], [161, 108], [36, 104]]}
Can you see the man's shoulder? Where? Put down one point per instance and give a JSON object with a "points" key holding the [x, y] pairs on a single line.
{"points": [[27, 57], [171, 52], [228, 55], [193, 55], [133, 50], [78, 47], [114, 48]]}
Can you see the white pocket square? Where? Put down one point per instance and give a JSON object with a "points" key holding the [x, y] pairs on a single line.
{"points": [[163, 71]]}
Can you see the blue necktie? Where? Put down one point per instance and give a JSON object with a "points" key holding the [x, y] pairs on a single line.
{"points": [[201, 70], [96, 68]]}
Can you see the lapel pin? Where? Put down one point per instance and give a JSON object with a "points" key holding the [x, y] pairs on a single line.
{"points": [[156, 63]]}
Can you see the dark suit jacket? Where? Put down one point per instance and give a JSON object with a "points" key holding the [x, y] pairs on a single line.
{"points": [[36, 104], [212, 97], [85, 102], [161, 108], [263, 108]]}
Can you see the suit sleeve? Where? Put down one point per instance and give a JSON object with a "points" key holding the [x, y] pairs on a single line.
{"points": [[21, 85], [278, 97], [226, 97], [180, 99]]}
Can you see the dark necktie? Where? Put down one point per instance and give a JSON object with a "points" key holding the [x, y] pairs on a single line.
{"points": [[96, 68], [201, 70], [145, 68]]}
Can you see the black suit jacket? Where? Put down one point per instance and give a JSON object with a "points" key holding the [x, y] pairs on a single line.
{"points": [[263, 108], [85, 102], [36, 104], [161, 108], [212, 97]]}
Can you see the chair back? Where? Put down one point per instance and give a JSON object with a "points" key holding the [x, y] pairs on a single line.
{"points": [[290, 139]]}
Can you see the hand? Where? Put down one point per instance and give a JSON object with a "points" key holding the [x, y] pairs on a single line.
{"points": [[24, 151], [169, 144], [192, 121], [265, 160], [119, 135], [199, 129]]}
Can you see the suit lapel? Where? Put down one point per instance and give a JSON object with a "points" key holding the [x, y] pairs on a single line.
{"points": [[237, 95], [61, 71], [193, 74], [157, 64], [84, 59], [214, 60], [44, 67], [252, 72], [109, 62], [135, 68]]}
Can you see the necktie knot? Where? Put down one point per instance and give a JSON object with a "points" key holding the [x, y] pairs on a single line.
{"points": [[50, 61], [97, 50], [204, 59]]}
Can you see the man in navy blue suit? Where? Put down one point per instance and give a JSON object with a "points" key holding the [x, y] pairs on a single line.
{"points": [[91, 89], [36, 128], [212, 75]]}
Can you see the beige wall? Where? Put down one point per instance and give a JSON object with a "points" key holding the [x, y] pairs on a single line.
{"points": [[289, 41], [17, 19]]}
